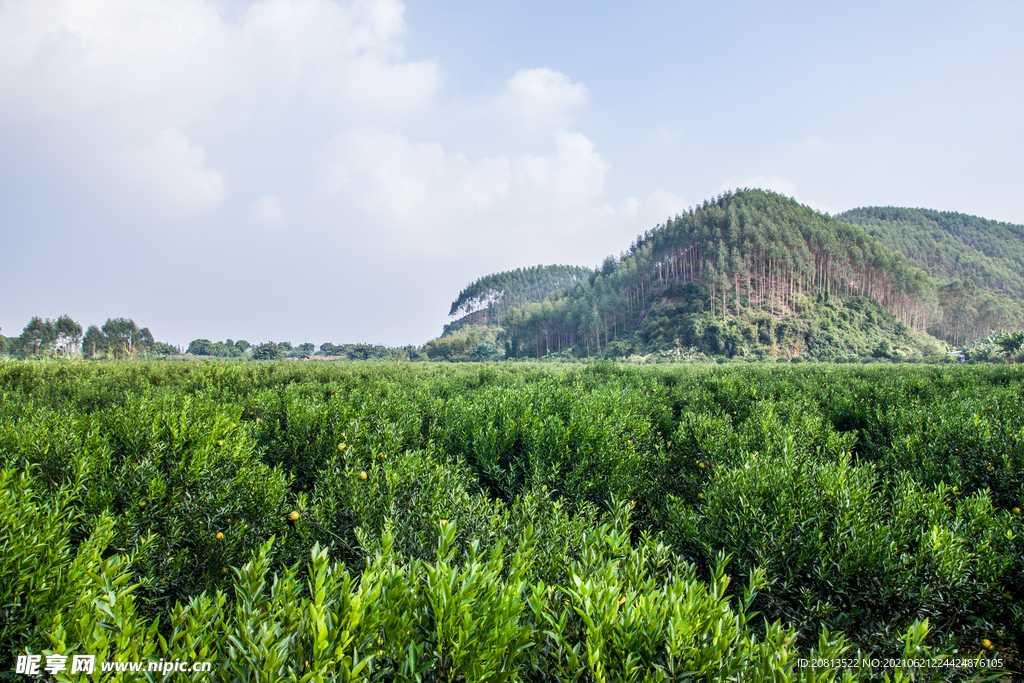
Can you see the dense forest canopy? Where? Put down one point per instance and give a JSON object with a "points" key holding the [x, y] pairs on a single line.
{"points": [[494, 294], [977, 263], [950, 246]]}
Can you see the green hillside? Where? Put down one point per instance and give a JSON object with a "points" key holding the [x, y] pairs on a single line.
{"points": [[978, 264], [490, 297], [751, 274]]}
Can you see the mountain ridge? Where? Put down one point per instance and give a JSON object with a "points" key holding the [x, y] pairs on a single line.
{"points": [[744, 257], [977, 263]]}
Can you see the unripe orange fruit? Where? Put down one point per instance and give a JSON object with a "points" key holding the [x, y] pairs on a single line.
{"points": [[293, 516], [1016, 511], [220, 536], [987, 644], [220, 442], [700, 465], [341, 446], [362, 475]]}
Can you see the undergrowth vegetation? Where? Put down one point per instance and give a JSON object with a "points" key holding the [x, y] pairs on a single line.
{"points": [[492, 523]]}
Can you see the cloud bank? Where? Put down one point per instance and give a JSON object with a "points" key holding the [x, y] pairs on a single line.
{"points": [[258, 129]]}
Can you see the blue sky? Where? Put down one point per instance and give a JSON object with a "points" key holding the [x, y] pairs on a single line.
{"points": [[314, 170]]}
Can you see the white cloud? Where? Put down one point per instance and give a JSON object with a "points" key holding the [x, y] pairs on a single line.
{"points": [[156, 108], [400, 182], [425, 194], [179, 59], [541, 97], [630, 206], [145, 85], [573, 175], [268, 211], [174, 169], [343, 54]]}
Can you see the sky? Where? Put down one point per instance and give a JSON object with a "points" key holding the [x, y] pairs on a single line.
{"points": [[335, 171]]}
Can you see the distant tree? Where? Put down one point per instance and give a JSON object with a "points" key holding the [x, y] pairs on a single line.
{"points": [[125, 339], [38, 337], [3, 345], [69, 336], [242, 345], [267, 351], [360, 351], [95, 344], [200, 347], [329, 349], [608, 266], [306, 349], [119, 338], [163, 349], [285, 347]]}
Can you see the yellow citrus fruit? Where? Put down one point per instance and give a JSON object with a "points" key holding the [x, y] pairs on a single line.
{"points": [[444, 522], [293, 516], [986, 643], [1016, 511], [700, 465], [220, 536], [341, 446], [220, 442], [362, 475]]}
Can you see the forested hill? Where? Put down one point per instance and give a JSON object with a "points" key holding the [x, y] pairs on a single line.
{"points": [[978, 263], [950, 246], [751, 273], [489, 297]]}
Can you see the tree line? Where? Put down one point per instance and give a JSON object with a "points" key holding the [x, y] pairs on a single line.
{"points": [[124, 339], [281, 350], [117, 338]]}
